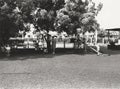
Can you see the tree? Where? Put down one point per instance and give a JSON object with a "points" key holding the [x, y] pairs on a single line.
{"points": [[46, 15], [12, 16], [7, 26], [59, 15], [18, 12], [78, 14]]}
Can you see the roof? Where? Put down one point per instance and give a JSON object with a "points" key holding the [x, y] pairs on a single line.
{"points": [[114, 29]]}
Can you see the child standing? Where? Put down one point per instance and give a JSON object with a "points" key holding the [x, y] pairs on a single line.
{"points": [[98, 49], [8, 50]]}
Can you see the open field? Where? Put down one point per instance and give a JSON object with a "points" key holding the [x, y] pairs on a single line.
{"points": [[64, 70]]}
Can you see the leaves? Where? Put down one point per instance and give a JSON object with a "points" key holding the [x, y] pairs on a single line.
{"points": [[79, 13], [57, 15]]}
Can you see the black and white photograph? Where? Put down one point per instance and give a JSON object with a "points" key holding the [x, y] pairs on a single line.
{"points": [[59, 44]]}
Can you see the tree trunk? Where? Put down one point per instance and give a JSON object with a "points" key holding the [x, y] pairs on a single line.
{"points": [[48, 40], [53, 45], [103, 40], [64, 43], [96, 33], [75, 44], [49, 46], [0, 48], [85, 46], [84, 42]]}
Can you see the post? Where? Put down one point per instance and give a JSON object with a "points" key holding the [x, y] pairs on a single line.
{"points": [[64, 43], [84, 42], [53, 44], [108, 36], [48, 43], [96, 33]]}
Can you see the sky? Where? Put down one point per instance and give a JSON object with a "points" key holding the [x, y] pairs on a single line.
{"points": [[109, 16]]}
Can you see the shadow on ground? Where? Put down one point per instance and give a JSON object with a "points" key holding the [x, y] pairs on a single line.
{"points": [[24, 54], [105, 50]]}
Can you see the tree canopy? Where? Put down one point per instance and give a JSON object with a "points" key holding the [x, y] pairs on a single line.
{"points": [[59, 15], [78, 14]]}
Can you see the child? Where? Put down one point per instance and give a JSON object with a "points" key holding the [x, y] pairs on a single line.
{"points": [[98, 49], [8, 49]]}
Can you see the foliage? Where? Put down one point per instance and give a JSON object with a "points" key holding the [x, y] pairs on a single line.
{"points": [[80, 14], [56, 15], [7, 25], [7, 29]]}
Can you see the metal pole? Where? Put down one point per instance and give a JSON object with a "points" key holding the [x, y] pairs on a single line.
{"points": [[108, 36]]}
